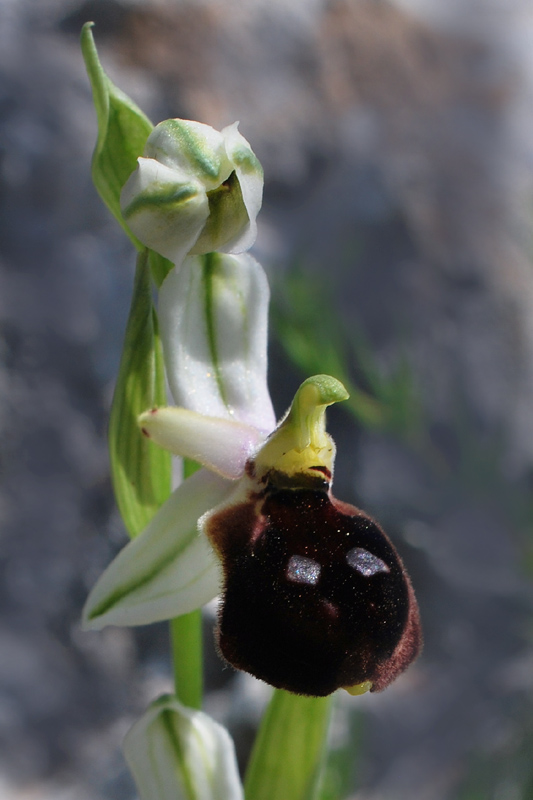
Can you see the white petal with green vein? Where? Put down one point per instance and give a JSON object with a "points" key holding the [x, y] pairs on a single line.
{"points": [[213, 315], [193, 147], [170, 569], [165, 207], [176, 753], [222, 445]]}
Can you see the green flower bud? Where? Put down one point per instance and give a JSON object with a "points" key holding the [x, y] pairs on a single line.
{"points": [[195, 190]]}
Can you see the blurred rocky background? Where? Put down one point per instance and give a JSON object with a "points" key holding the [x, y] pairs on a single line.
{"points": [[396, 229]]}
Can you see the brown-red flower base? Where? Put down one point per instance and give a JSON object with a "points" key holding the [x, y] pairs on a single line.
{"points": [[315, 597]]}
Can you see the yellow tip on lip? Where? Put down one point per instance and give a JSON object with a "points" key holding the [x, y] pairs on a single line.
{"points": [[359, 688]]}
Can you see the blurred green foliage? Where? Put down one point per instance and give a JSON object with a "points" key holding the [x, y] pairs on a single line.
{"points": [[317, 340], [341, 768]]}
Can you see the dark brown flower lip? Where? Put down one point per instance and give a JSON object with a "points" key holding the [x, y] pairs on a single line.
{"points": [[315, 595]]}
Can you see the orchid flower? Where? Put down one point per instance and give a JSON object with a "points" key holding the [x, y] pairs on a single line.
{"points": [[213, 320], [314, 595]]}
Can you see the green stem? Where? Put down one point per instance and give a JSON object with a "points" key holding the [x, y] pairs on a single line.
{"points": [[186, 642], [289, 749]]}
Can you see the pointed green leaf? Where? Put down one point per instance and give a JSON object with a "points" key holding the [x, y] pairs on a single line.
{"points": [[122, 132], [288, 752], [141, 471]]}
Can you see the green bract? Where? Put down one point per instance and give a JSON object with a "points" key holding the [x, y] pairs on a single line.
{"points": [[141, 473], [195, 190], [122, 131]]}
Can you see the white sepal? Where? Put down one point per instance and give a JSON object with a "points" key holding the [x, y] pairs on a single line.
{"points": [[166, 208], [170, 569], [221, 445], [193, 147], [176, 753], [213, 315], [250, 176]]}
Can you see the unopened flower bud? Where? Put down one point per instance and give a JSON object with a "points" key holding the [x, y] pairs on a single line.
{"points": [[195, 190], [175, 752]]}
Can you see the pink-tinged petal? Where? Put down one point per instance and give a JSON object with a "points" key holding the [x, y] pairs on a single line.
{"points": [[213, 315], [170, 569], [222, 445]]}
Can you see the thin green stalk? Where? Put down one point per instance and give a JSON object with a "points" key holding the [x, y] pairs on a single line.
{"points": [[289, 749], [187, 658], [186, 643]]}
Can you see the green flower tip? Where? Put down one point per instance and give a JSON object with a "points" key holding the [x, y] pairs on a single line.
{"points": [[300, 451], [321, 390]]}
